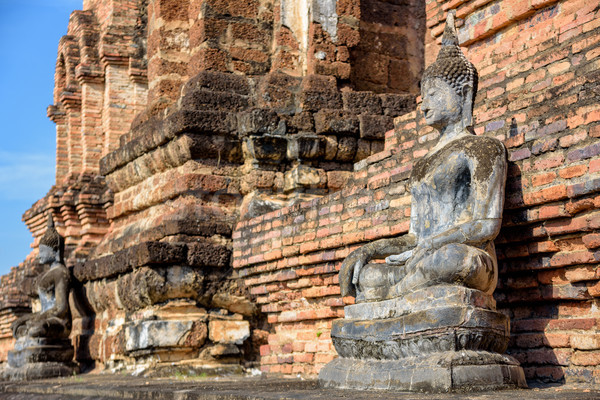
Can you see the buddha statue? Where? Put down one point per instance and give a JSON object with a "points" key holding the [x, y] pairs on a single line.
{"points": [[457, 195], [425, 318], [43, 348], [54, 319]]}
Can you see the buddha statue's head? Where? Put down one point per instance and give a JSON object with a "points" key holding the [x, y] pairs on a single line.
{"points": [[449, 85], [50, 244]]}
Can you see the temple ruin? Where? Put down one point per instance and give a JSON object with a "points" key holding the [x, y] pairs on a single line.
{"points": [[216, 161]]}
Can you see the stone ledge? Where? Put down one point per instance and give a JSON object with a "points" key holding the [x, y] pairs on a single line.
{"points": [[259, 388], [201, 254]]}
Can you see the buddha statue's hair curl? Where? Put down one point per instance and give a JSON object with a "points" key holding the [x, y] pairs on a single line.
{"points": [[51, 237], [451, 64]]}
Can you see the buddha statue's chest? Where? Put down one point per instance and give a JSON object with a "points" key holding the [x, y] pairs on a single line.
{"points": [[442, 192]]}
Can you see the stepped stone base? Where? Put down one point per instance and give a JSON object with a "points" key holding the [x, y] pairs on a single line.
{"points": [[41, 370], [437, 339], [442, 372], [39, 358]]}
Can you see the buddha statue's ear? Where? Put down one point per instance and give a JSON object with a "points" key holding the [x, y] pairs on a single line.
{"points": [[467, 105]]}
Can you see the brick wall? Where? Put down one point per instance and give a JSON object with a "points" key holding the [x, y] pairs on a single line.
{"points": [[538, 64]]}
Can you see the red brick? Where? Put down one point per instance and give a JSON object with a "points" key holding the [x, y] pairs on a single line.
{"points": [[586, 358], [573, 171], [556, 339], [543, 179], [586, 341], [592, 240], [574, 323]]}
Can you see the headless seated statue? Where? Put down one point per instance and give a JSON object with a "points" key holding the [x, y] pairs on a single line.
{"points": [[457, 194], [54, 319]]}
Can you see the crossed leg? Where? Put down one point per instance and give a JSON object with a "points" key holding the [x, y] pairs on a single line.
{"points": [[454, 263]]}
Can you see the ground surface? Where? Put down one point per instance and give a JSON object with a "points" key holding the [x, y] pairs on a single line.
{"points": [[95, 387]]}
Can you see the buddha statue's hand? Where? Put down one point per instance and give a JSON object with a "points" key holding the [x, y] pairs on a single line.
{"points": [[423, 249], [399, 259], [351, 267]]}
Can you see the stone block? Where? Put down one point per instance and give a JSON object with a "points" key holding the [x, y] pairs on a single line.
{"points": [[205, 99], [397, 104], [300, 122], [375, 126], [267, 148], [304, 176], [444, 372], [216, 147], [258, 121], [362, 102], [148, 286], [337, 180], [152, 334], [208, 254], [306, 147], [278, 91], [200, 121], [235, 304], [228, 332], [125, 260], [336, 122], [217, 81], [347, 149], [319, 92]]}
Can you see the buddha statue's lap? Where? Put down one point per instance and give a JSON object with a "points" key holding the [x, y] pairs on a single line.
{"points": [[452, 264]]}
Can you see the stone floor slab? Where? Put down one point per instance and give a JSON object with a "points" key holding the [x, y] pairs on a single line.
{"points": [[94, 387]]}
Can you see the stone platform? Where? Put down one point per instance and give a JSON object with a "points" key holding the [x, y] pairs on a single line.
{"points": [[437, 339], [39, 358], [96, 387]]}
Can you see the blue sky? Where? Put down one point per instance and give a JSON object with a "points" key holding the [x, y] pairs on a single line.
{"points": [[29, 35]]}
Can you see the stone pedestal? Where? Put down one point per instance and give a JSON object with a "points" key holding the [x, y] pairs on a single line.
{"points": [[39, 358], [440, 339]]}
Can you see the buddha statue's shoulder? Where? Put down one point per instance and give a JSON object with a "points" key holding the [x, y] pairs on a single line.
{"points": [[480, 147], [489, 153]]}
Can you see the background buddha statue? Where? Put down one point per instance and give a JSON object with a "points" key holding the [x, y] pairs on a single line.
{"points": [[54, 319], [457, 193]]}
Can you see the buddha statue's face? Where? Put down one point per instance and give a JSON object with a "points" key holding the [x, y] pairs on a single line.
{"points": [[441, 105], [46, 254]]}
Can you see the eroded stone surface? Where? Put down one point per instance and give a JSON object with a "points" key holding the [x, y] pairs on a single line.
{"points": [[228, 332]]}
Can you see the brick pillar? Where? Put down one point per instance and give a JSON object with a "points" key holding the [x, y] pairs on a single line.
{"points": [[168, 48], [92, 92], [118, 108], [72, 104], [58, 116]]}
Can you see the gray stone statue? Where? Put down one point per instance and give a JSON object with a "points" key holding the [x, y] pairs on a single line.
{"points": [[431, 298], [43, 348]]}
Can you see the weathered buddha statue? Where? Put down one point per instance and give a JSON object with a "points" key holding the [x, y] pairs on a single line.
{"points": [[457, 194], [43, 348], [54, 319], [425, 318]]}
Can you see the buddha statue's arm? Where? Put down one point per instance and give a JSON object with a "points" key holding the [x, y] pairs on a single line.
{"points": [[471, 232], [381, 248]]}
